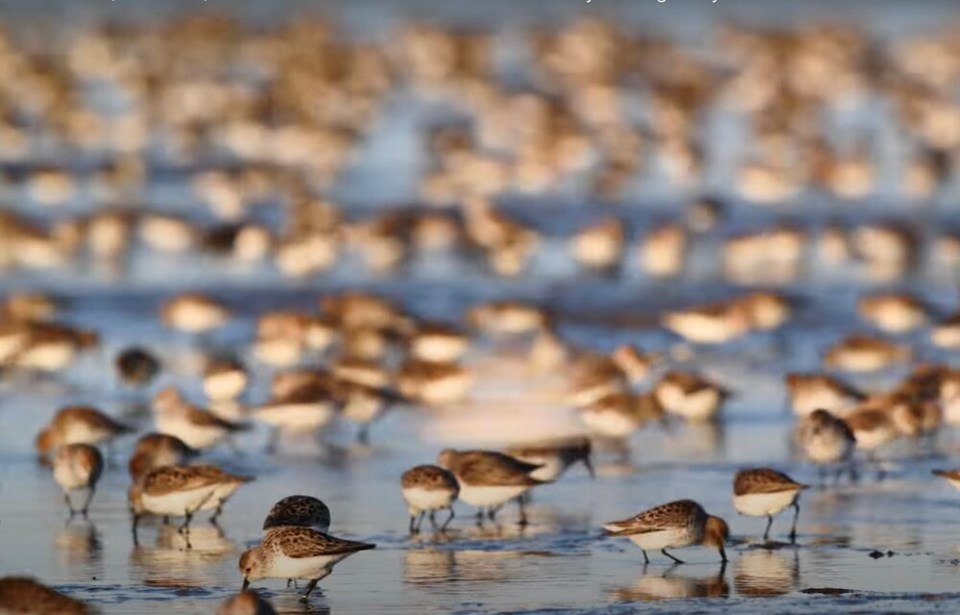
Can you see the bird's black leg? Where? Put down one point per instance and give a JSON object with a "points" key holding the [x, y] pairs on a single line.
{"points": [[86, 503], [646, 559], [523, 512], [766, 532], [66, 498], [796, 515], [449, 519], [676, 559]]}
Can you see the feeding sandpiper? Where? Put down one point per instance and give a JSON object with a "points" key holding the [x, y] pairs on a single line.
{"points": [[428, 488], [298, 511], [826, 439], [683, 523], [489, 479], [155, 450], [296, 553], [78, 467], [764, 492]]}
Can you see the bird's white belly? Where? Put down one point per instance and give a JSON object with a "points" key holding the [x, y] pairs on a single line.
{"points": [[830, 449], [192, 435], [297, 418], [490, 496], [870, 439], [608, 424], [418, 498], [177, 503], [71, 475], [664, 539], [220, 494], [303, 567], [82, 433], [763, 504]]}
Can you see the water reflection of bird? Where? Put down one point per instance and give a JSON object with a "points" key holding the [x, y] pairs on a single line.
{"points": [[667, 585], [78, 543], [428, 566], [172, 562], [766, 572]]}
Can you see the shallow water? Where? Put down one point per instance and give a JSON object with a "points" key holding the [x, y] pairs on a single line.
{"points": [[560, 563]]}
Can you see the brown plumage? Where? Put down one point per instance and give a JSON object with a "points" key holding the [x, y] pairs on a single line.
{"points": [[763, 480], [488, 468], [298, 511], [24, 596], [78, 425], [170, 479], [665, 516], [428, 477], [155, 450], [298, 542]]}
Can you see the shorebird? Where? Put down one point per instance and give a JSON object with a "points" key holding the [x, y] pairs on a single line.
{"points": [[77, 467], [155, 450], [298, 511], [763, 492], [554, 456], [78, 425], [137, 367], [428, 488], [197, 428], [678, 524], [21, 595], [808, 392], [690, 395], [489, 479], [297, 553], [194, 313], [825, 439]]}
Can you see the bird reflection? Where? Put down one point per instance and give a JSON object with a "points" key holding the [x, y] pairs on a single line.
{"points": [[700, 439], [428, 566], [766, 572], [290, 603], [669, 585], [178, 559], [78, 542]]}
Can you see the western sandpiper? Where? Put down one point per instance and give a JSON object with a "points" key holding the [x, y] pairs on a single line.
{"points": [[554, 457], [434, 383], [137, 367], [428, 488], [825, 439], [893, 312], [438, 343], [675, 525], [78, 425], [764, 492], [21, 595], [489, 479], [690, 395], [306, 409], [600, 245], [155, 450], [224, 379], [298, 511], [864, 353], [197, 428], [175, 491], [297, 553], [194, 313], [809, 392], [618, 415], [77, 467]]}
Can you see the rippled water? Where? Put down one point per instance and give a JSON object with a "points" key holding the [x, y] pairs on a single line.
{"points": [[560, 563]]}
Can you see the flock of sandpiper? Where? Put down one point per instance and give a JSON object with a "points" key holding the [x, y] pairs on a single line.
{"points": [[286, 108]]}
